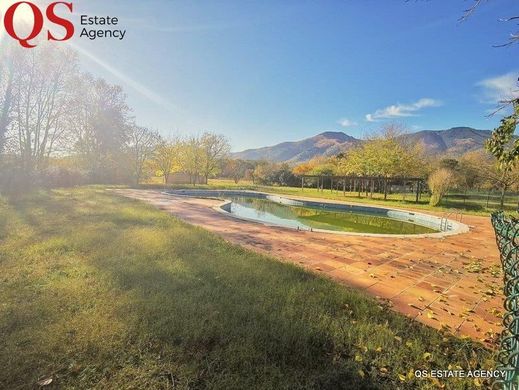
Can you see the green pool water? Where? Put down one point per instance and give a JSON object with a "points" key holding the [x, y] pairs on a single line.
{"points": [[307, 218]]}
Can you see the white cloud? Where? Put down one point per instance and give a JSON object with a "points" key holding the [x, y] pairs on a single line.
{"points": [[402, 110], [347, 123], [499, 88]]}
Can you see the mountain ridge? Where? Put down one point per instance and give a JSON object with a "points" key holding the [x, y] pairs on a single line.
{"points": [[454, 141]]}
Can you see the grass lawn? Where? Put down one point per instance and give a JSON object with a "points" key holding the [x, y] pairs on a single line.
{"points": [[98, 291], [473, 207]]}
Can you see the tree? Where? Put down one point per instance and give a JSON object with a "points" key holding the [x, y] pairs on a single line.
{"points": [[235, 169], [316, 166], [49, 109], [7, 78], [449, 163], [479, 168], [304, 168], [39, 101], [514, 37], [100, 122], [141, 145], [268, 173], [504, 149], [283, 175], [470, 174], [165, 159], [214, 149], [191, 158], [387, 154]]}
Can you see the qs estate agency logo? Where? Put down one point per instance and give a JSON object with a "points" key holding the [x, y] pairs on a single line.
{"points": [[27, 21]]}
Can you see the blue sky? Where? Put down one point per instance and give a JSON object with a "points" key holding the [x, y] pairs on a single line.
{"points": [[262, 72]]}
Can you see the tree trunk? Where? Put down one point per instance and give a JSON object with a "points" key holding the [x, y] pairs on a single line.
{"points": [[4, 113]]}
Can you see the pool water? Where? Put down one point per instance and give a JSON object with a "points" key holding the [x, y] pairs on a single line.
{"points": [[307, 218]]}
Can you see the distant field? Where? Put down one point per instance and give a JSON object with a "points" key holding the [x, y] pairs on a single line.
{"points": [[103, 292]]}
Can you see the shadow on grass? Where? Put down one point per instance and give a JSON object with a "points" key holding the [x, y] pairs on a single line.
{"points": [[123, 295], [470, 206]]}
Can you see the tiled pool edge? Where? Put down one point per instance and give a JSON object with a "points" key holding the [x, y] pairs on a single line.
{"points": [[457, 227]]}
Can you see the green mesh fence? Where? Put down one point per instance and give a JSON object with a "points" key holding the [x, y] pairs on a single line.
{"points": [[507, 235]]}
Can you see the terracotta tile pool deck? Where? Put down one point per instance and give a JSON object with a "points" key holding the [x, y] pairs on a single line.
{"points": [[454, 283]]}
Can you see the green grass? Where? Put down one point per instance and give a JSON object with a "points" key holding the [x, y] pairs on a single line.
{"points": [[476, 205], [394, 200], [98, 291]]}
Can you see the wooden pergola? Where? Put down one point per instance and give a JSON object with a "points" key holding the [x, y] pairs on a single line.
{"points": [[361, 183]]}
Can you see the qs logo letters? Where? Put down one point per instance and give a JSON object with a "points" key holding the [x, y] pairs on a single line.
{"points": [[38, 21]]}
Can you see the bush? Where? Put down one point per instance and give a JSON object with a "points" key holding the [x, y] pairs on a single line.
{"points": [[439, 183], [275, 174], [14, 180], [54, 177]]}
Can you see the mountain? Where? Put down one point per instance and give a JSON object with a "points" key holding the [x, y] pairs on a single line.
{"points": [[453, 142], [324, 144]]}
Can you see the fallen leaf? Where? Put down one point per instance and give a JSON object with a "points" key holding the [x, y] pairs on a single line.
{"points": [[44, 382]]}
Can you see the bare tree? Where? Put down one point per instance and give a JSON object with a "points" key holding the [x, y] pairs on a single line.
{"points": [[142, 143], [514, 37], [236, 169], [39, 99], [215, 148], [7, 76]]}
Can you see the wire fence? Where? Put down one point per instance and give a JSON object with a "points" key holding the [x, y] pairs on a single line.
{"points": [[411, 189], [482, 200], [507, 236]]}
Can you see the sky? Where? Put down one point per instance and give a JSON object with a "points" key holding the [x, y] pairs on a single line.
{"points": [[264, 72]]}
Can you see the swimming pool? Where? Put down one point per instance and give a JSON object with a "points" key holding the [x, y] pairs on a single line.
{"points": [[330, 217]]}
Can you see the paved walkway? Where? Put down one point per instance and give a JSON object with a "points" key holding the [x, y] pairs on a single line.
{"points": [[452, 283]]}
